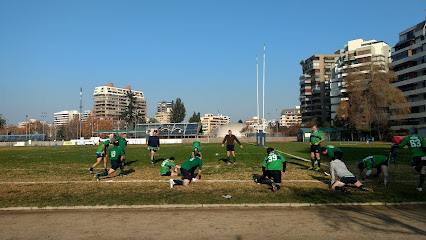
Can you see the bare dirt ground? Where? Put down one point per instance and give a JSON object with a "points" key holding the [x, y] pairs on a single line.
{"points": [[354, 222]]}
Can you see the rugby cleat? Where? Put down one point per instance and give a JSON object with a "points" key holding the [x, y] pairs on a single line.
{"points": [[97, 177], [91, 170], [346, 190], [419, 189], [122, 175], [310, 168], [274, 188], [172, 183], [317, 169]]}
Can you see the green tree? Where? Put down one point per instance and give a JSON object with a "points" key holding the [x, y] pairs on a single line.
{"points": [[195, 118], [178, 112], [131, 113], [2, 121], [240, 121], [372, 99]]}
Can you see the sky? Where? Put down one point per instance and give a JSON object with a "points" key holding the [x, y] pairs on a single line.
{"points": [[203, 52]]}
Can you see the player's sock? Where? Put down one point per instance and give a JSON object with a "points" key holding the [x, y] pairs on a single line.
{"points": [[103, 174], [178, 182], [91, 169], [278, 186], [313, 162], [228, 159], [234, 159], [363, 188], [339, 188], [422, 180], [180, 174], [122, 169], [106, 169], [319, 162]]}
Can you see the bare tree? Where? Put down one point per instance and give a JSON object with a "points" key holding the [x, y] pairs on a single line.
{"points": [[372, 99]]}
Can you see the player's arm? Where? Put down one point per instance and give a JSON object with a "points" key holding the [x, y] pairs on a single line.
{"points": [[284, 167], [198, 175], [403, 143], [332, 175], [224, 139], [236, 139]]}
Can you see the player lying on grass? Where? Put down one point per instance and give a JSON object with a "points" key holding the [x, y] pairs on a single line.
{"points": [[116, 156], [187, 169], [375, 161], [417, 148], [339, 169], [196, 148], [273, 167], [101, 154], [166, 167]]}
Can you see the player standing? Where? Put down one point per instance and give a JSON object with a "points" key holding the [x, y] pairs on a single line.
{"points": [[229, 139], [417, 148], [153, 145], [314, 141], [122, 142]]}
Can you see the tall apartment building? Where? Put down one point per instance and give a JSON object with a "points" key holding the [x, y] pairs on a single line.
{"points": [[409, 62], [210, 122], [315, 87], [164, 106], [355, 55], [64, 117], [164, 110], [290, 117], [110, 102]]}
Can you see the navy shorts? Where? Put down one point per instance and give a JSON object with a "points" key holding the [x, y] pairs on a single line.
{"points": [[98, 155], [417, 161], [230, 148], [115, 164], [167, 174], [316, 148], [275, 174], [186, 174], [348, 180]]}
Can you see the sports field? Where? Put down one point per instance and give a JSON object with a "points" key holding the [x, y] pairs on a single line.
{"points": [[58, 176]]}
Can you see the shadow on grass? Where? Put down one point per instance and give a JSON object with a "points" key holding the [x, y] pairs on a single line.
{"points": [[128, 163], [125, 172], [225, 160]]}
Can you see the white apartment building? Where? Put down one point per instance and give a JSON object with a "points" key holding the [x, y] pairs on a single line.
{"points": [[210, 122], [164, 111], [356, 54], [409, 61], [257, 123], [291, 117], [64, 117]]}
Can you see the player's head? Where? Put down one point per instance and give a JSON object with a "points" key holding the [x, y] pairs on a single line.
{"points": [[269, 150], [111, 135], [124, 135], [172, 159], [114, 141], [324, 150], [413, 130], [361, 166], [154, 132], [195, 149], [314, 128], [229, 132]]}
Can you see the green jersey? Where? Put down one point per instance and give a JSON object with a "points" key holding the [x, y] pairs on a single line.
{"points": [[315, 137], [122, 142], [192, 163], [331, 150], [415, 145], [106, 144], [196, 145], [166, 165], [115, 153], [273, 161], [374, 161]]}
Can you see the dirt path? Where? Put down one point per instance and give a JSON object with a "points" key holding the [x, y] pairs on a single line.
{"points": [[360, 222]]}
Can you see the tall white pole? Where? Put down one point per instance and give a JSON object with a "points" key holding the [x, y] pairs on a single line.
{"points": [[257, 92], [263, 108]]}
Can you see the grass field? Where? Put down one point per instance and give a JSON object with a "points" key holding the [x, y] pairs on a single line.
{"points": [[58, 176]]}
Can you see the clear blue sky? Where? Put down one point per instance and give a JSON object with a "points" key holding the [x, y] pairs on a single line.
{"points": [[201, 51]]}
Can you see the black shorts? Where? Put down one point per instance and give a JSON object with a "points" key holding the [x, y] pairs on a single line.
{"points": [[98, 155], [115, 164], [417, 161], [167, 174], [230, 148], [348, 180], [275, 174], [338, 155], [386, 163], [316, 148], [186, 174]]}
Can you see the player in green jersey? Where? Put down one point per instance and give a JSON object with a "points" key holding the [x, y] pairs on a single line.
{"points": [[166, 167], [187, 169], [122, 143], [314, 141], [101, 154], [196, 148], [417, 148], [273, 167], [375, 161], [116, 156], [331, 152]]}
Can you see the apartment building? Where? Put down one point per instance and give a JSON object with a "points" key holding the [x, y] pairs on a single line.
{"points": [[409, 63], [315, 88], [257, 123], [110, 102], [210, 122], [164, 110], [354, 57], [291, 117], [64, 117]]}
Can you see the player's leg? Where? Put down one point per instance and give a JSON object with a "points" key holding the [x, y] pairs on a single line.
{"points": [[339, 186], [228, 154], [422, 175], [152, 156], [384, 168], [114, 165], [312, 159], [99, 157], [276, 185], [361, 186], [234, 158], [122, 169], [105, 163], [317, 156]]}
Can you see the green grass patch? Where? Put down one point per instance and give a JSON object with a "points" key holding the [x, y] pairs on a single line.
{"points": [[69, 164]]}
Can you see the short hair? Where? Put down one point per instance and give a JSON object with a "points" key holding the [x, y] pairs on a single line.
{"points": [[323, 149], [155, 131], [269, 150], [172, 158], [361, 166]]}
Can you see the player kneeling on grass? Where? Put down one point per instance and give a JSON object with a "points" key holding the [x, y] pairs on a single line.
{"points": [[339, 169], [116, 156], [196, 148], [187, 169], [271, 168], [375, 161], [166, 167]]}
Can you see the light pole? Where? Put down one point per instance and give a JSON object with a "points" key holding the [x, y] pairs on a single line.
{"points": [[43, 116]]}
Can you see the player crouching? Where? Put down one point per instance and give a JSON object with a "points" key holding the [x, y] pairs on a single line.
{"points": [[116, 156]]}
